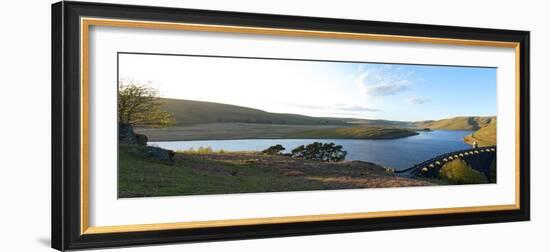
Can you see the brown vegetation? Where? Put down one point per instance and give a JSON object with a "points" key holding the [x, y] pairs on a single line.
{"points": [[485, 136], [458, 123], [334, 175]]}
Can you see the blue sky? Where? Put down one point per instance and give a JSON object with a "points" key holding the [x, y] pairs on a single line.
{"points": [[420, 92], [335, 89]]}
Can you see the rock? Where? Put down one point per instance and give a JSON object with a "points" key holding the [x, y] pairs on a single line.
{"points": [[141, 139], [126, 134], [159, 154]]}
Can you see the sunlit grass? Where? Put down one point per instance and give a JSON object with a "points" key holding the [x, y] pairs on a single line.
{"points": [[458, 171], [358, 132], [208, 150]]}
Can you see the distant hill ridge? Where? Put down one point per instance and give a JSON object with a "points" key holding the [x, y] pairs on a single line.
{"points": [[188, 112]]}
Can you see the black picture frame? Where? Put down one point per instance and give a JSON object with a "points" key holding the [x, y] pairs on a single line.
{"points": [[66, 156]]}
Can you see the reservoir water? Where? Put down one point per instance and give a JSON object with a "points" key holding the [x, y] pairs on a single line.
{"points": [[398, 153]]}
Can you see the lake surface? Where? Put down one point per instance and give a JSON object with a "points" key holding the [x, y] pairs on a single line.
{"points": [[398, 153]]}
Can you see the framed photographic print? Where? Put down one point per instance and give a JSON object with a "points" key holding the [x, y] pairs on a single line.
{"points": [[180, 125]]}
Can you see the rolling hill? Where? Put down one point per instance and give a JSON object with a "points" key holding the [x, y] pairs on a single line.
{"points": [[379, 122], [189, 112], [485, 136], [457, 123]]}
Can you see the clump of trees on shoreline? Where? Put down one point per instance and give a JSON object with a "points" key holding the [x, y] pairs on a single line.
{"points": [[274, 150], [317, 151]]}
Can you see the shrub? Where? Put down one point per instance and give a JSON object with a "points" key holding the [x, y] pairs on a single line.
{"points": [[274, 150], [205, 150], [200, 150], [459, 172], [325, 152]]}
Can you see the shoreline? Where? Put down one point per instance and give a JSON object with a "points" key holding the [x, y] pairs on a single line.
{"points": [[234, 131], [292, 138], [275, 138]]}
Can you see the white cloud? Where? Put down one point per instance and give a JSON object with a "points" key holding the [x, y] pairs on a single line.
{"points": [[383, 81], [355, 108], [419, 100]]}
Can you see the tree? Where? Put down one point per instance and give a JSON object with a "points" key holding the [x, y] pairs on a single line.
{"points": [[325, 152], [140, 106], [333, 152], [274, 150]]}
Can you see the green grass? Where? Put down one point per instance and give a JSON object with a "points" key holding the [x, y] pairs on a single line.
{"points": [[457, 123], [143, 177], [359, 132], [459, 172]]}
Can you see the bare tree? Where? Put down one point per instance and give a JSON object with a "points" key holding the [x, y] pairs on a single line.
{"points": [[140, 106]]}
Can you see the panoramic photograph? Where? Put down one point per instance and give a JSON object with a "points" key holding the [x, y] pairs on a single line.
{"points": [[199, 124]]}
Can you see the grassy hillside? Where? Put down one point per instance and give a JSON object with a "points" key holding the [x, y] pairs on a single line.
{"points": [[485, 136], [459, 172], [223, 131], [197, 120], [189, 112], [232, 172], [379, 122], [144, 177], [359, 132], [457, 123]]}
